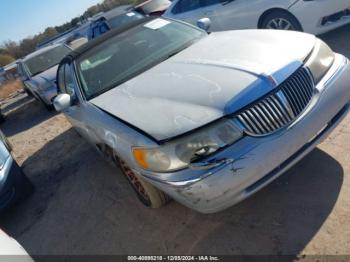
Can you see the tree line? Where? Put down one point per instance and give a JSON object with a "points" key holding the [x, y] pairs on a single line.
{"points": [[12, 50]]}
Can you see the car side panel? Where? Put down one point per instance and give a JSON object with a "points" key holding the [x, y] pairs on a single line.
{"points": [[310, 14], [190, 17], [32, 86], [99, 128]]}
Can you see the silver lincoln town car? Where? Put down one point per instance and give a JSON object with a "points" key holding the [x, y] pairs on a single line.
{"points": [[205, 119]]}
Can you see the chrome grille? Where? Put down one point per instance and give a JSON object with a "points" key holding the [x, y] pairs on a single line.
{"points": [[280, 108]]}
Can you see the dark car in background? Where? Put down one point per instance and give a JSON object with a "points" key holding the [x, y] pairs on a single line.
{"points": [[38, 72], [14, 185], [153, 7], [118, 17]]}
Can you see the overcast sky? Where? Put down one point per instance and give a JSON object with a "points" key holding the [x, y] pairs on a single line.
{"points": [[22, 18]]}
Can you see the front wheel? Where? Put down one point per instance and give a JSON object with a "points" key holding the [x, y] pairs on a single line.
{"points": [[147, 193], [281, 21]]}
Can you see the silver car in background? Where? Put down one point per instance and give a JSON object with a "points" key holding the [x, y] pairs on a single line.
{"points": [[38, 72], [207, 119], [14, 185]]}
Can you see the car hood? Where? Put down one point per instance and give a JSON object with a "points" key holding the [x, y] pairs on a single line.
{"points": [[214, 77]]}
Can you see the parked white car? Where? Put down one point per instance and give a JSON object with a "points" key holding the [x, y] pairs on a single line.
{"points": [[312, 16], [10, 247]]}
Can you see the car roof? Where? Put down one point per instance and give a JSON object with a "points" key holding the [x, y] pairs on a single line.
{"points": [[146, 3], [98, 40], [117, 11], [40, 51], [120, 10]]}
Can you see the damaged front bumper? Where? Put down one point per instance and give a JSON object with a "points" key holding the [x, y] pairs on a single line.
{"points": [[252, 163]]}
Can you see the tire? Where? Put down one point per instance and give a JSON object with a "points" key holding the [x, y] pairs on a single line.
{"points": [[21, 188], [147, 193], [281, 20]]}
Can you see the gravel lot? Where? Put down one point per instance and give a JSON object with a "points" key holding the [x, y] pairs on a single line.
{"points": [[82, 205]]}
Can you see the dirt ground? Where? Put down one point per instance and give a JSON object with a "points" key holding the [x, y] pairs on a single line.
{"points": [[82, 205], [10, 88]]}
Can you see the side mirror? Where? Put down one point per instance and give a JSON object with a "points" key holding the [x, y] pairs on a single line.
{"points": [[204, 24], [62, 102]]}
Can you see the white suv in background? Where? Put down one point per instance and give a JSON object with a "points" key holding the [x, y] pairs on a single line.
{"points": [[312, 16]]}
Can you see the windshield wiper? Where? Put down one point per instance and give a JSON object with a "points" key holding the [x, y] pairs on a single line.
{"points": [[173, 54]]}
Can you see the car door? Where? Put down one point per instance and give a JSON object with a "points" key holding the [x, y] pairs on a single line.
{"points": [[80, 114], [224, 14], [187, 10], [67, 85], [229, 14]]}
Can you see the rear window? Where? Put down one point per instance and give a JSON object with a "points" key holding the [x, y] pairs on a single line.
{"points": [[154, 5], [186, 5], [46, 60], [121, 20]]}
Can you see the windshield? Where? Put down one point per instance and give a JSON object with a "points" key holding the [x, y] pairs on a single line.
{"points": [[132, 52], [121, 20], [46, 60], [154, 5]]}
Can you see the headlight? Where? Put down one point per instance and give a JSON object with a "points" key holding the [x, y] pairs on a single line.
{"points": [[178, 154], [320, 60]]}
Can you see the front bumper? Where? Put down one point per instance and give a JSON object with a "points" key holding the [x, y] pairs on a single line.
{"points": [[312, 15], [252, 163]]}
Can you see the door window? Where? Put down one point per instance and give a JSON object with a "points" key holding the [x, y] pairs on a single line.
{"points": [[206, 3], [69, 80], [66, 81], [186, 5]]}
